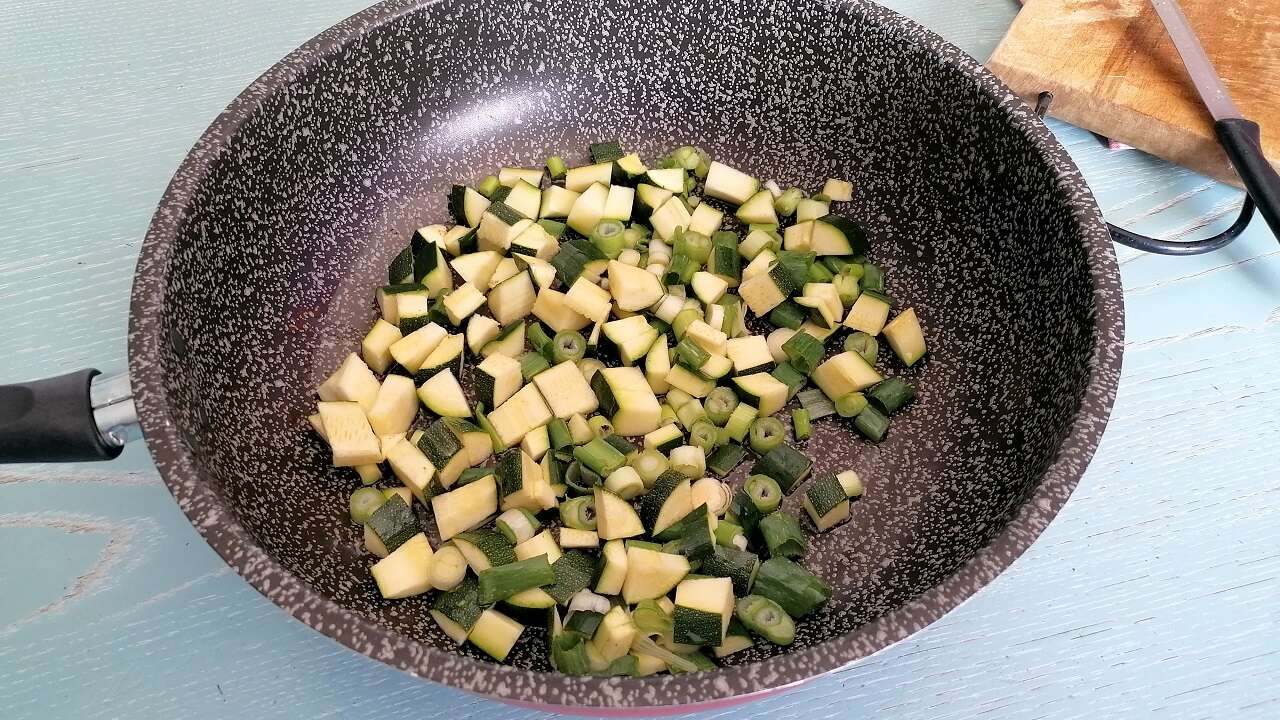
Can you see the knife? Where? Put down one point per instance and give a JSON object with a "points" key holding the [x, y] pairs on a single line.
{"points": [[1239, 136]]}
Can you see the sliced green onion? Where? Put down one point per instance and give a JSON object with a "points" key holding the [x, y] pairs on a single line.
{"points": [[683, 320], [819, 273], [532, 363], [635, 236], [689, 460], [725, 459], [568, 345], [364, 501], [767, 433], [489, 185], [537, 336], [783, 536], [649, 465], [650, 619], [720, 404], [847, 288], [579, 513], [817, 403], [680, 270], [691, 413], [766, 618], [502, 581], [600, 456], [585, 622], [690, 354], [646, 646], [569, 653], [872, 277], [600, 426], [765, 493], [703, 435], [695, 245], [725, 532], [889, 395], [785, 204], [556, 167], [558, 434], [800, 422], [864, 345], [872, 424], [588, 367], [667, 414], [850, 404], [580, 480], [607, 236]]}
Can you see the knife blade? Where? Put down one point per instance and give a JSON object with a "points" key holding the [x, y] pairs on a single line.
{"points": [[1240, 137], [1212, 92]]}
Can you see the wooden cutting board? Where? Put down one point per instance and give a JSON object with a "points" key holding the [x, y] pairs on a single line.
{"points": [[1113, 70]]}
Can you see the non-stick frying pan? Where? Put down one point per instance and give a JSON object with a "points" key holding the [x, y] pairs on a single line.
{"points": [[255, 279]]}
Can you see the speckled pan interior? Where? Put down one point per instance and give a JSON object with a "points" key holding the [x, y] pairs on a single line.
{"points": [[257, 272]]}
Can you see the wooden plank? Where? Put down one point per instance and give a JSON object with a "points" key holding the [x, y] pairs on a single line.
{"points": [[1112, 69]]}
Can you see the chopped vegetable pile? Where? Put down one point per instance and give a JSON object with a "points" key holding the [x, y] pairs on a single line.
{"points": [[614, 387]]}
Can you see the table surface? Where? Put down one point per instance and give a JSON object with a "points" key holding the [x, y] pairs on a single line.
{"points": [[1153, 594]]}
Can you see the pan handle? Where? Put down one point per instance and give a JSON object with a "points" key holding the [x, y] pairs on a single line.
{"points": [[76, 417]]}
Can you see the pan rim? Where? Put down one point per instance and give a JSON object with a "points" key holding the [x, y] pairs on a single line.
{"points": [[175, 460]]}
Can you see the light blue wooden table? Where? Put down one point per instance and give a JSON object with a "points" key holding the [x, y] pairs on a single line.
{"points": [[1156, 592]]}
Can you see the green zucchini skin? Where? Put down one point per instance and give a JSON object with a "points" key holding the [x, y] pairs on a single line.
{"points": [[785, 464], [394, 523]]}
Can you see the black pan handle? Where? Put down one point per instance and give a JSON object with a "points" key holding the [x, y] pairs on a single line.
{"points": [[76, 417], [1243, 142]]}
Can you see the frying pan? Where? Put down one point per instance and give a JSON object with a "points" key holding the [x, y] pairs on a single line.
{"points": [[255, 278]]}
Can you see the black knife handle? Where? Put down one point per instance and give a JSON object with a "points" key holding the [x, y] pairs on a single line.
{"points": [[1242, 141]]}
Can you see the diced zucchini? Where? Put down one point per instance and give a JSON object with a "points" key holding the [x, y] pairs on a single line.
{"points": [[466, 507], [375, 348], [443, 396], [579, 179], [670, 179], [557, 201], [522, 412], [410, 465], [652, 574], [512, 299], [758, 209], [834, 235], [726, 183], [552, 307], [762, 391], [513, 176], [632, 336], [590, 300], [614, 636], [657, 363], [544, 543], [703, 609], [353, 381], [412, 351], [615, 518], [739, 566], [510, 342], [566, 390], [524, 197], [351, 439], [617, 205], [536, 442], [869, 313], [406, 571], [749, 354], [613, 570], [394, 523], [633, 288], [668, 501], [810, 209], [672, 217], [844, 373], [664, 439], [572, 538], [495, 634], [394, 407], [905, 337], [784, 464], [467, 205], [681, 378], [480, 330], [588, 209], [484, 549], [627, 400], [826, 503]]}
